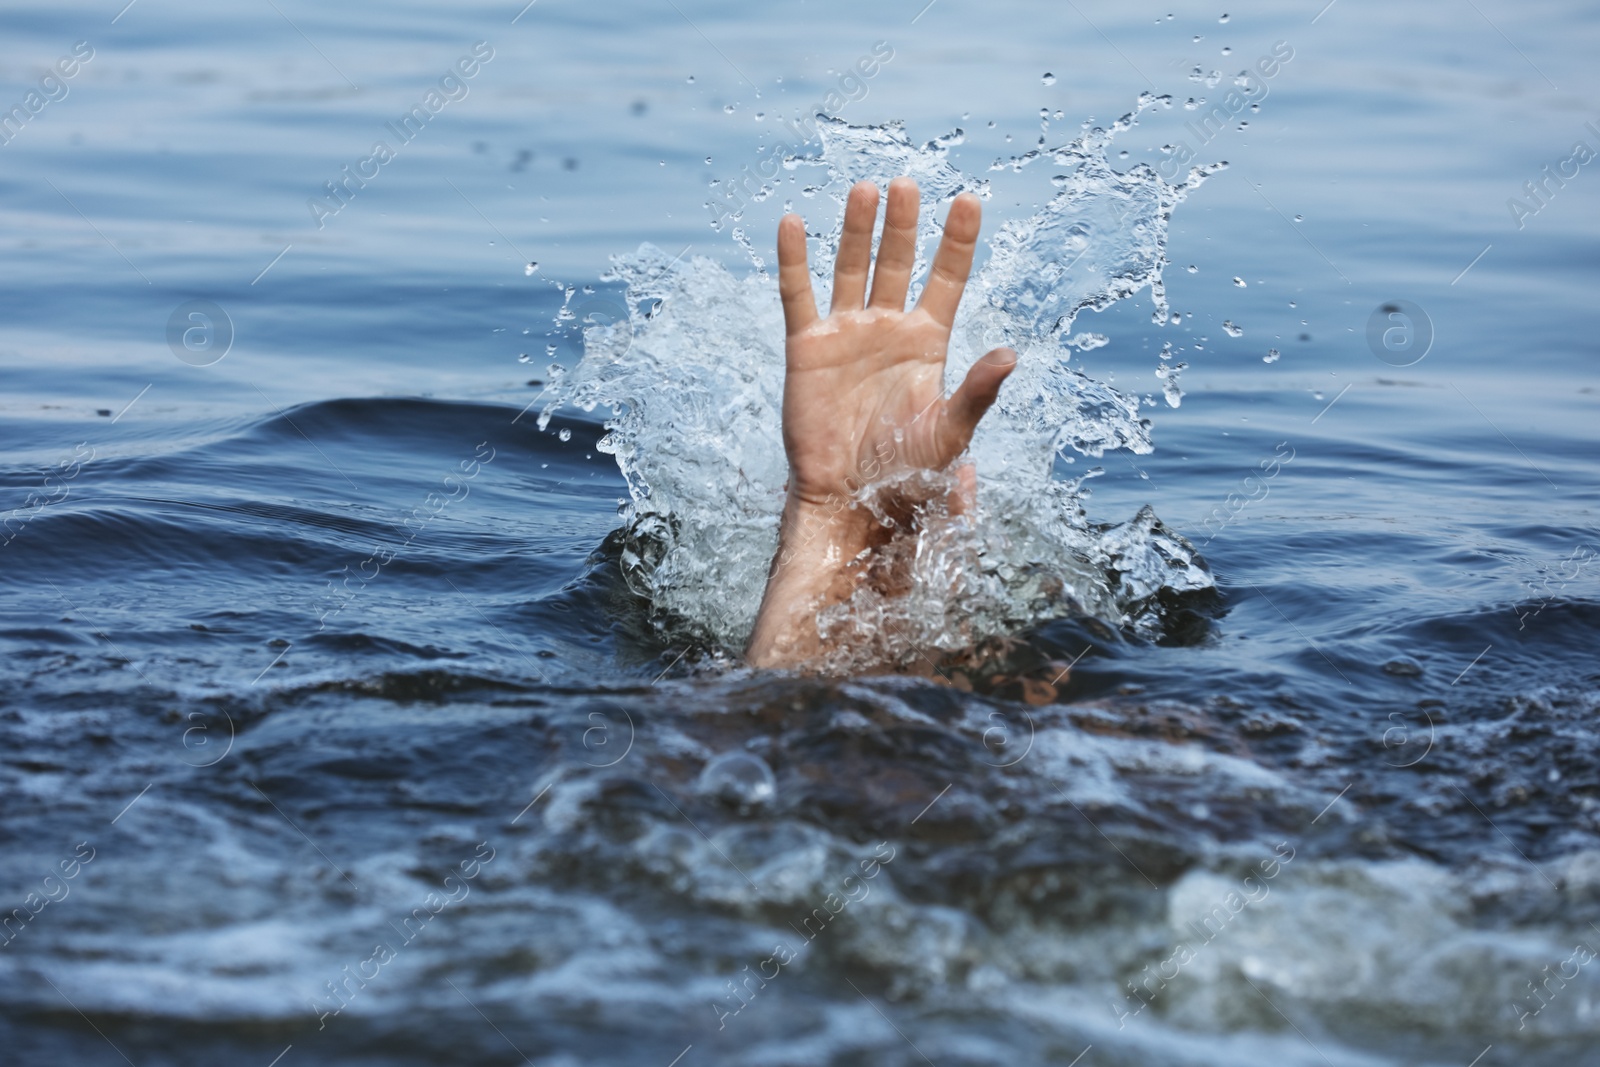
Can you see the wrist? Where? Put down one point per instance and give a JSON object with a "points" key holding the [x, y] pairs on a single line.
{"points": [[822, 532], [816, 566]]}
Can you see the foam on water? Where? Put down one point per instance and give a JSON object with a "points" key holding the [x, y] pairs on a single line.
{"points": [[694, 378]]}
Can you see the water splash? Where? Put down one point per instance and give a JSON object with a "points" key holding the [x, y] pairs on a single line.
{"points": [[694, 387]]}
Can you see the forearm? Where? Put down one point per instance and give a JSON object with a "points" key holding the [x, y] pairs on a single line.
{"points": [[818, 564]]}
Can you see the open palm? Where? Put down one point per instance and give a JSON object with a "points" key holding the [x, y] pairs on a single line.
{"points": [[863, 391]]}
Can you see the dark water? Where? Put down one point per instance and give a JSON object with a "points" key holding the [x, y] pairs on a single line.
{"points": [[323, 651]]}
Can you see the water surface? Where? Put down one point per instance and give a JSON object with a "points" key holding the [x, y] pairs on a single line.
{"points": [[327, 646]]}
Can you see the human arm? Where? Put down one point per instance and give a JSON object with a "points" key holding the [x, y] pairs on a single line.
{"points": [[863, 400]]}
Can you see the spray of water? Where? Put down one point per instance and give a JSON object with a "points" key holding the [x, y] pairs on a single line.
{"points": [[693, 376]]}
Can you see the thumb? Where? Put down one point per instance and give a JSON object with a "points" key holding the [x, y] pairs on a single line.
{"points": [[973, 397]]}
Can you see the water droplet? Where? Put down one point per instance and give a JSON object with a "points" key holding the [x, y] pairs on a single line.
{"points": [[1060, 181], [761, 116], [742, 779], [1230, 329], [1224, 18], [1240, 282], [708, 161], [1227, 51], [565, 434], [524, 358], [1271, 356], [1048, 79], [550, 349], [1192, 269], [727, 109], [991, 124], [1198, 38], [1299, 218], [529, 269], [1293, 304], [691, 79]]}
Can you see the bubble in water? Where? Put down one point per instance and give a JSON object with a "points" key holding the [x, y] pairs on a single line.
{"points": [[529, 269], [741, 779], [565, 434], [1048, 79], [1271, 356], [1240, 282], [1230, 329]]}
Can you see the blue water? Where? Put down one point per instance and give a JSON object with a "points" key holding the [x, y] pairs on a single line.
{"points": [[297, 633]]}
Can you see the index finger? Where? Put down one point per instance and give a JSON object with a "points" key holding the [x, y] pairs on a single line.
{"points": [[794, 276], [953, 262]]}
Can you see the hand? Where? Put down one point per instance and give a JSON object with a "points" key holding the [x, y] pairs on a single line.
{"points": [[871, 368], [855, 380]]}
